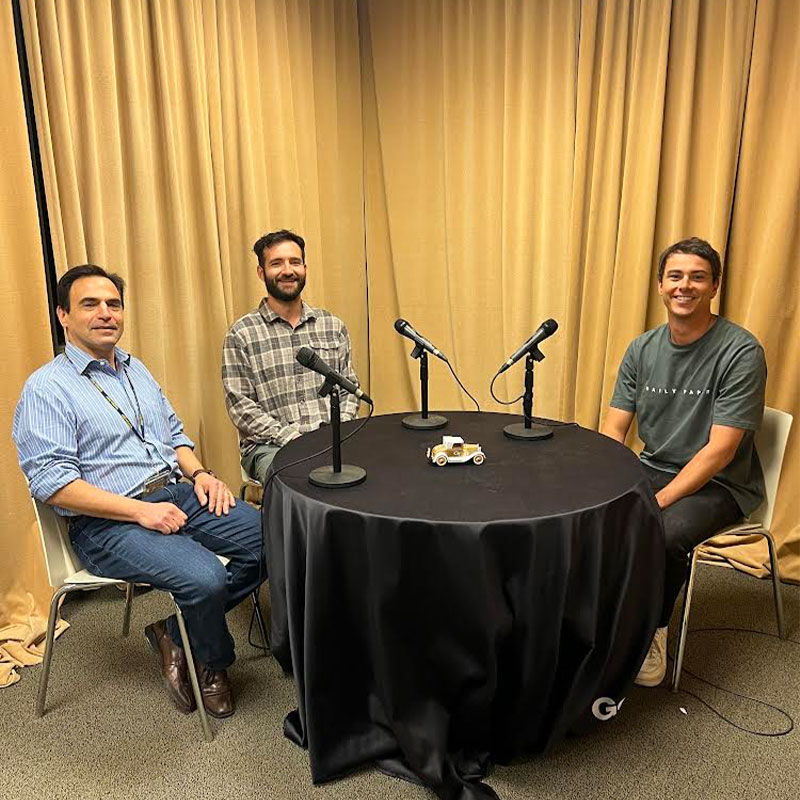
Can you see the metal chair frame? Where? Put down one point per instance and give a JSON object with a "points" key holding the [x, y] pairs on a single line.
{"points": [[247, 481], [771, 441], [66, 574]]}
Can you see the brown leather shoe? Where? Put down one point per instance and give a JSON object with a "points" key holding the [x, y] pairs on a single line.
{"points": [[216, 690], [173, 666]]}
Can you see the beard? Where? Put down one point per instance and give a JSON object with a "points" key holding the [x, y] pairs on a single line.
{"points": [[274, 290]]}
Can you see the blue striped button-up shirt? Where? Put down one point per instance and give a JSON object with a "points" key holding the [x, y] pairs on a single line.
{"points": [[65, 429]]}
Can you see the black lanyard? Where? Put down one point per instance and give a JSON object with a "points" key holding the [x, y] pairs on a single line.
{"points": [[139, 431]]}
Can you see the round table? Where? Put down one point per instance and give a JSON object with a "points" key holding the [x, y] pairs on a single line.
{"points": [[438, 619]]}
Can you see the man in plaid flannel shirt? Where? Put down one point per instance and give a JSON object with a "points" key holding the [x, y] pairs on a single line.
{"points": [[270, 397]]}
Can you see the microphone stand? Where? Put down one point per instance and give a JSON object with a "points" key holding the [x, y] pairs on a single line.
{"points": [[527, 429], [338, 475], [423, 422]]}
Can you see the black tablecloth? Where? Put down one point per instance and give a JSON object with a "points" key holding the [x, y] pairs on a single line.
{"points": [[438, 619]]}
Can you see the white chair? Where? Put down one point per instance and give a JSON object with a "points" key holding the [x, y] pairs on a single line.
{"points": [[66, 574], [770, 441], [247, 481]]}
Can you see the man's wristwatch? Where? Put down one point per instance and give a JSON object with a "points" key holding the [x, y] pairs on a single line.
{"points": [[201, 471]]}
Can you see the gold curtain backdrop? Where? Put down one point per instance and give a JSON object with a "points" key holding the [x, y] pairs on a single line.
{"points": [[24, 592], [762, 289], [473, 166]]}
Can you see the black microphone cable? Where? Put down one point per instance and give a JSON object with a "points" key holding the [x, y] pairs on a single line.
{"points": [[466, 391], [534, 420], [770, 734], [496, 398], [267, 482], [402, 327]]}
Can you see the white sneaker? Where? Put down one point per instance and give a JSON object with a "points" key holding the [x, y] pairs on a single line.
{"points": [[654, 666]]}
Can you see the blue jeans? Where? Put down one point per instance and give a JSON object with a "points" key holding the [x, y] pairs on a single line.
{"points": [[183, 563]]}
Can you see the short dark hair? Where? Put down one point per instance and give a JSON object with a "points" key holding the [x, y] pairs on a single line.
{"points": [[692, 247], [276, 237], [85, 271]]}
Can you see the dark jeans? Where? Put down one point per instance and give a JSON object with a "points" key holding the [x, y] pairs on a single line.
{"points": [[184, 564], [687, 523]]}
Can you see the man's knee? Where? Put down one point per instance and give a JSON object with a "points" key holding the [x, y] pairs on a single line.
{"points": [[257, 463], [684, 529], [205, 581], [244, 529]]}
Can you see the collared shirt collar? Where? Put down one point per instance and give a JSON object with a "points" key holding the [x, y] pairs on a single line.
{"points": [[306, 312], [81, 360]]}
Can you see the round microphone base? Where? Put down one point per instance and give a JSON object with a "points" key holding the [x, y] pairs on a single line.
{"points": [[326, 478], [416, 422], [518, 431]]}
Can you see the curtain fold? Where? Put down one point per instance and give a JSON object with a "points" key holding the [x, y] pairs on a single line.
{"points": [[762, 289], [24, 327], [468, 179], [622, 64]]}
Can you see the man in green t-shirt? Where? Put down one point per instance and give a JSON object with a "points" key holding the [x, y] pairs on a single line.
{"points": [[696, 387]]}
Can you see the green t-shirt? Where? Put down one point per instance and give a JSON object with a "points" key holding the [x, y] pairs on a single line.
{"points": [[679, 391]]}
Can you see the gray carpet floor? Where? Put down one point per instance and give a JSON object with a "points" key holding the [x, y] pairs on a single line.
{"points": [[110, 731]]}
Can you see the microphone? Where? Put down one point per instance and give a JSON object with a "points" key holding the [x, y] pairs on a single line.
{"points": [[547, 328], [308, 358], [404, 329]]}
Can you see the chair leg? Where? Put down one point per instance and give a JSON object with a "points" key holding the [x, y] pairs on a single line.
{"points": [[126, 619], [687, 603], [776, 583], [260, 619], [198, 696], [48, 649]]}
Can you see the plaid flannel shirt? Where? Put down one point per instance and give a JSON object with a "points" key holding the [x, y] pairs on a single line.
{"points": [[271, 398]]}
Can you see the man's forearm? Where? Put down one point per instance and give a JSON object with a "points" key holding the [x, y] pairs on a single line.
{"points": [[349, 408], [254, 423], [613, 433], [83, 498], [188, 462], [695, 475], [617, 424]]}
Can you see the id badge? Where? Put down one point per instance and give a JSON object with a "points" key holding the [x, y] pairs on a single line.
{"points": [[156, 482]]}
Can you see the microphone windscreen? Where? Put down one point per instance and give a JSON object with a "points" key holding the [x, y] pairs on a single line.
{"points": [[400, 325], [551, 326], [307, 357]]}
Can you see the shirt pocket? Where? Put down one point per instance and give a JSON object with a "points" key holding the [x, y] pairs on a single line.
{"points": [[324, 345], [327, 349]]}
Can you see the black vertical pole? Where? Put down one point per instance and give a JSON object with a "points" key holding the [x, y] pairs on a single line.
{"points": [[56, 333], [527, 400], [423, 383], [336, 429]]}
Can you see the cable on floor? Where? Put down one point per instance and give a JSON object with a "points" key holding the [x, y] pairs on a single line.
{"points": [[711, 708]]}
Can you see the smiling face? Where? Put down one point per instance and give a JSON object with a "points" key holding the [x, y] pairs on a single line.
{"points": [[687, 287], [95, 320], [284, 272]]}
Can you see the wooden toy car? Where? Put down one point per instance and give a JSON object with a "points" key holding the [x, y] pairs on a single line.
{"points": [[453, 450]]}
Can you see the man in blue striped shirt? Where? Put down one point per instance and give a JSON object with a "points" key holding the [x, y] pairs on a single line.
{"points": [[98, 440]]}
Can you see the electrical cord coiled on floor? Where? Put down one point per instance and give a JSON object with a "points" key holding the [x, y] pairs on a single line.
{"points": [[782, 712]]}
